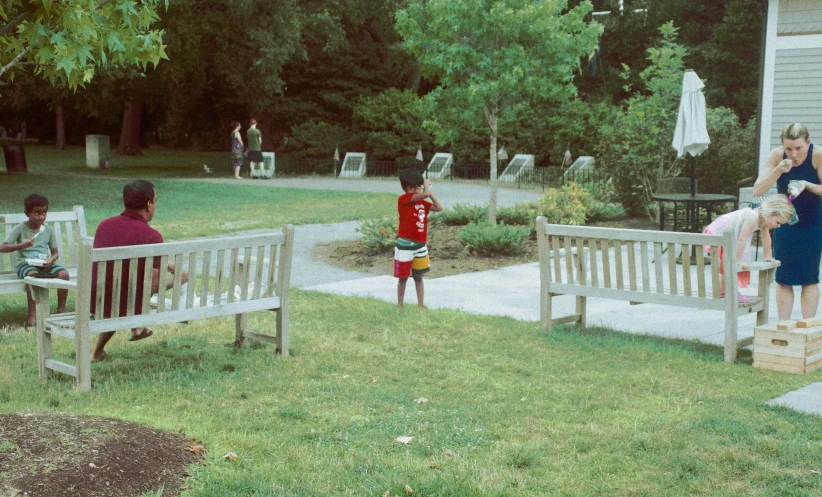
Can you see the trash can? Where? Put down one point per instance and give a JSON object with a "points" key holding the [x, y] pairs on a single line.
{"points": [[15, 158], [266, 167], [98, 151]]}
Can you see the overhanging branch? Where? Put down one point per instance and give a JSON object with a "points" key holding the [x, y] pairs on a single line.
{"points": [[11, 25], [14, 61]]}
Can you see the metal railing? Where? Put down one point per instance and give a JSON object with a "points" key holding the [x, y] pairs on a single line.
{"points": [[539, 177]]}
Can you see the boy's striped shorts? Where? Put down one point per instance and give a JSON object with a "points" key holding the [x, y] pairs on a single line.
{"points": [[410, 258]]}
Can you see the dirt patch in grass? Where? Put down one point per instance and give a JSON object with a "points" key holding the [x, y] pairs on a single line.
{"points": [[447, 255], [63, 455]]}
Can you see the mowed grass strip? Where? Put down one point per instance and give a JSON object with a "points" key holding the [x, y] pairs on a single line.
{"points": [[188, 209], [510, 410]]}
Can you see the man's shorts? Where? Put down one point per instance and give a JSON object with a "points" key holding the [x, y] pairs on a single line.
{"points": [[410, 258], [255, 156], [23, 270]]}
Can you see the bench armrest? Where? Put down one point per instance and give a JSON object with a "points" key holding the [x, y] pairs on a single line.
{"points": [[51, 283], [763, 266]]}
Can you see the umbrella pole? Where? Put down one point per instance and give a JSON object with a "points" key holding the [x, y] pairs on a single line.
{"points": [[693, 187], [695, 212]]}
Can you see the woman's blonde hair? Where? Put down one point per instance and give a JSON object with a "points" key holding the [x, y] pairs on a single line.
{"points": [[795, 131], [777, 205]]}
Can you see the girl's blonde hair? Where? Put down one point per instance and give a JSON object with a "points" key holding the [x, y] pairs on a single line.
{"points": [[777, 205], [795, 131]]}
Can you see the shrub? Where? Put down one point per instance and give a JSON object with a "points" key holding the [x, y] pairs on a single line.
{"points": [[378, 235], [519, 215], [486, 239], [568, 205], [462, 214], [604, 211]]}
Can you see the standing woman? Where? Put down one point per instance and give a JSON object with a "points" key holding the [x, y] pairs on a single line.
{"points": [[236, 148], [797, 246]]}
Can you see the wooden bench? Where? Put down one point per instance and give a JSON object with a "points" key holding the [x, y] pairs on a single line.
{"points": [[227, 276], [631, 265], [70, 228]]}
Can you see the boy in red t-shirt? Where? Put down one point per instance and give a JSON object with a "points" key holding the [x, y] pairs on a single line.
{"points": [[411, 251]]}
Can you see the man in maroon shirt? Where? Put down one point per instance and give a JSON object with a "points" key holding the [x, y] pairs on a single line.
{"points": [[129, 228]]}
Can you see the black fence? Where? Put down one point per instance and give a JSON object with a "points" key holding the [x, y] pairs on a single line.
{"points": [[538, 177]]}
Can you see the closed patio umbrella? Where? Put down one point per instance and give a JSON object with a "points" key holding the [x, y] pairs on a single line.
{"points": [[691, 134]]}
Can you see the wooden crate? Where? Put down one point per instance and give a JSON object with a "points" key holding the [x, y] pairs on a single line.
{"points": [[789, 346]]}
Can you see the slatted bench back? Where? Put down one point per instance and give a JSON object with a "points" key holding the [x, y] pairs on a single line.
{"points": [[226, 276], [69, 226], [634, 265]]}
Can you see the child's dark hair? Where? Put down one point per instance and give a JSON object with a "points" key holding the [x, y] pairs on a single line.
{"points": [[410, 177], [137, 194], [33, 201]]}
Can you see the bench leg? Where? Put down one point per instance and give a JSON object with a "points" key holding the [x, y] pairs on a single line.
{"points": [[731, 329], [240, 327], [765, 278], [582, 304], [41, 297], [545, 314], [282, 330]]}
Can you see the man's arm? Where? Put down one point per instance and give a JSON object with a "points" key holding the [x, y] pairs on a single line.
{"points": [[155, 278]]}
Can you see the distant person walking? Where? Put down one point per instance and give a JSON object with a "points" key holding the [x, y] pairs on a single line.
{"points": [[255, 144], [236, 148]]}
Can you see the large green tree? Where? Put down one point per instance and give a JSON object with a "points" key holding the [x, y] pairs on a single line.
{"points": [[493, 58], [70, 38], [226, 64]]}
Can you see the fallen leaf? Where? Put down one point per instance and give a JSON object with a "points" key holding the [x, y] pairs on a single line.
{"points": [[439, 468], [408, 490], [231, 456], [373, 380], [196, 448], [92, 465], [449, 453], [421, 400], [387, 493], [404, 440]]}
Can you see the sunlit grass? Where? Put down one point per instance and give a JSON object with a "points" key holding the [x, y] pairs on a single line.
{"points": [[188, 209], [510, 411]]}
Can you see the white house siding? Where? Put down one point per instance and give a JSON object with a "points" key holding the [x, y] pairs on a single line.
{"points": [[797, 92], [792, 85], [799, 17]]}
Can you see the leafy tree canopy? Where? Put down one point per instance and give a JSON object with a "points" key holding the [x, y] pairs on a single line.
{"points": [[493, 58], [70, 38]]}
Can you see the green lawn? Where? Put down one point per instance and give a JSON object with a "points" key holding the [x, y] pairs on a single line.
{"points": [[188, 209], [152, 164], [511, 410]]}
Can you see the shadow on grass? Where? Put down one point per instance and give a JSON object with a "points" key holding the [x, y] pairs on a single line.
{"points": [[709, 351]]}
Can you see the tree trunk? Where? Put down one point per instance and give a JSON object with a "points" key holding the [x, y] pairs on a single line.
{"points": [[412, 81], [132, 116], [60, 120], [491, 113]]}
